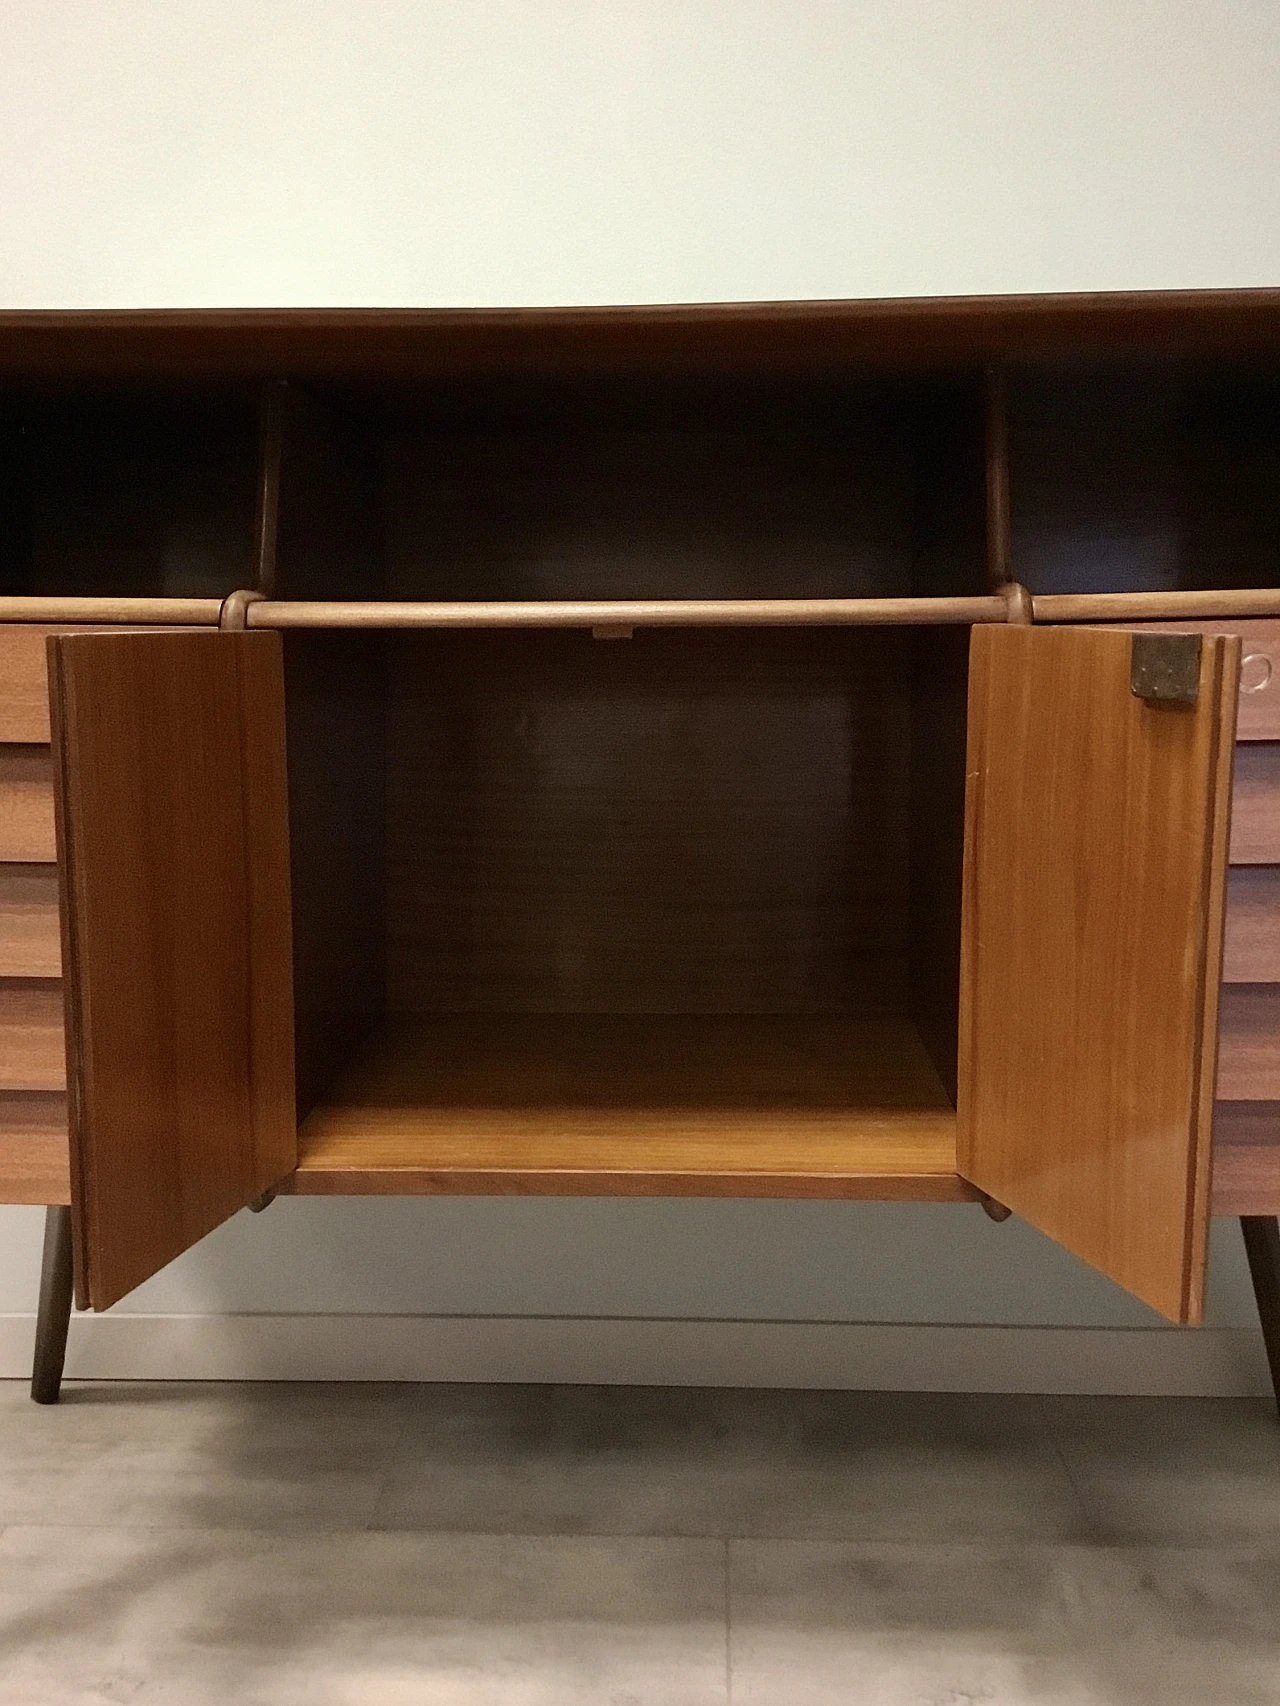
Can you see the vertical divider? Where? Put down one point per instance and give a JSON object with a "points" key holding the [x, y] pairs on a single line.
{"points": [[319, 538], [995, 421]]}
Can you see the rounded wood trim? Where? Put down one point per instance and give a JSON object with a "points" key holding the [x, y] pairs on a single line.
{"points": [[621, 614], [147, 612], [1154, 606]]}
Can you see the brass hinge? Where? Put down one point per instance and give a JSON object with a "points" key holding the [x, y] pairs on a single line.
{"points": [[1165, 668]]}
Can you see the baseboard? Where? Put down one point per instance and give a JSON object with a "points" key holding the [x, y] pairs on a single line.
{"points": [[857, 1356]]}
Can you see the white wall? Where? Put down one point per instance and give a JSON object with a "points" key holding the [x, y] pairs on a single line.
{"points": [[579, 151]]}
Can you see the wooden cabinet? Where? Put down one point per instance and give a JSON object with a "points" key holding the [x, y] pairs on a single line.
{"points": [[635, 768], [641, 920]]}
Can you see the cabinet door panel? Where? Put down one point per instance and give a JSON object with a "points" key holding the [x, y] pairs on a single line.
{"points": [[173, 848], [1096, 843]]}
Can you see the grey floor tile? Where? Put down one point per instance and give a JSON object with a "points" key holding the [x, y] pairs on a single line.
{"points": [[186, 1619], [198, 1456], [882, 1625], [618, 1460], [1188, 1470]]}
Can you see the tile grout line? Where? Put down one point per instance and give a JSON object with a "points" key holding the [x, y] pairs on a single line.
{"points": [[1082, 1510]]}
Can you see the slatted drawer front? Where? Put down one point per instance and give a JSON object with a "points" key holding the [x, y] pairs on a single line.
{"points": [[1249, 1043], [26, 804], [1255, 804], [30, 942], [32, 1056]]}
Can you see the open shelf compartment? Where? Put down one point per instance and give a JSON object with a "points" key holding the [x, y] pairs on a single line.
{"points": [[669, 915]]}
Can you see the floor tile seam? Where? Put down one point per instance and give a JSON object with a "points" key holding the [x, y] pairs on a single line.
{"points": [[1083, 1510]]}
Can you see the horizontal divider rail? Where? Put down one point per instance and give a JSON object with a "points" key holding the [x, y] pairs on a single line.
{"points": [[620, 615], [1154, 606], [146, 612]]}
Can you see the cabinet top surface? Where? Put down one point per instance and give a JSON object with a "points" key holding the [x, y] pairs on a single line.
{"points": [[697, 336]]}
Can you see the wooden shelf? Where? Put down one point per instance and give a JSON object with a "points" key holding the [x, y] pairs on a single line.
{"points": [[624, 1105]]}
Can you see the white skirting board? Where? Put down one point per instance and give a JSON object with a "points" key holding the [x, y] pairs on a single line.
{"points": [[1206, 1362]]}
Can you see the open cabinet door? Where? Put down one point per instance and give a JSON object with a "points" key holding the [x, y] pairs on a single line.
{"points": [[1095, 867], [171, 801]]}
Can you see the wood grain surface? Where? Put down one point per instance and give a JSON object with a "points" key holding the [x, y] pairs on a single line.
{"points": [[644, 1106], [676, 338], [1258, 714], [1095, 878], [690, 822], [34, 1159], [1246, 1158], [1255, 804], [30, 938], [1249, 1043], [32, 1052], [26, 805], [1251, 953], [634, 613], [173, 847]]}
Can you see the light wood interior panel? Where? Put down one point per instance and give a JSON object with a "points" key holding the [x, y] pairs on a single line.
{"points": [[1249, 1043], [1087, 1027], [34, 1157], [30, 937], [32, 1049], [26, 804], [1255, 804], [636, 1105]]}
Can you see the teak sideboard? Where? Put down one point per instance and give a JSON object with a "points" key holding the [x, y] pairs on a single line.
{"points": [[825, 750]]}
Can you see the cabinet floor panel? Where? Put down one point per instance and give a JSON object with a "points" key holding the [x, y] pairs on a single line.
{"points": [[636, 1106]]}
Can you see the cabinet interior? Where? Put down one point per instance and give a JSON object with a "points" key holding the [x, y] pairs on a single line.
{"points": [[128, 491], [681, 904]]}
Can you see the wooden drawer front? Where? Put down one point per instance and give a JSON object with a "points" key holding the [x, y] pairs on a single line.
{"points": [[1255, 804], [1246, 1158], [26, 804], [1259, 715], [24, 683], [32, 1053], [1252, 948], [35, 1159], [30, 940], [1249, 1043]]}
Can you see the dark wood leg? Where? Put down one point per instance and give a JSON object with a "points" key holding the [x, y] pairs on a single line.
{"points": [[1262, 1244], [55, 1307]]}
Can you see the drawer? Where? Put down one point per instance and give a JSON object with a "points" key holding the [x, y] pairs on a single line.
{"points": [[30, 939], [1255, 804], [1259, 714], [24, 683], [1246, 1158], [26, 804], [32, 1052], [35, 1156], [1249, 1042], [1252, 948]]}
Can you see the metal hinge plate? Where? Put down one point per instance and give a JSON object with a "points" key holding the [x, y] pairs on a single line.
{"points": [[1165, 668]]}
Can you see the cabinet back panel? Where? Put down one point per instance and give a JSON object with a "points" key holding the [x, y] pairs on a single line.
{"points": [[679, 823], [1144, 478], [817, 507], [154, 498]]}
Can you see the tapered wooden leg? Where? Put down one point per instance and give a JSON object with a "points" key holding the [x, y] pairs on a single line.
{"points": [[55, 1307], [1262, 1243]]}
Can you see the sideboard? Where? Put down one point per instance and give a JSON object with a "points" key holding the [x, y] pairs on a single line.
{"points": [[807, 749]]}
